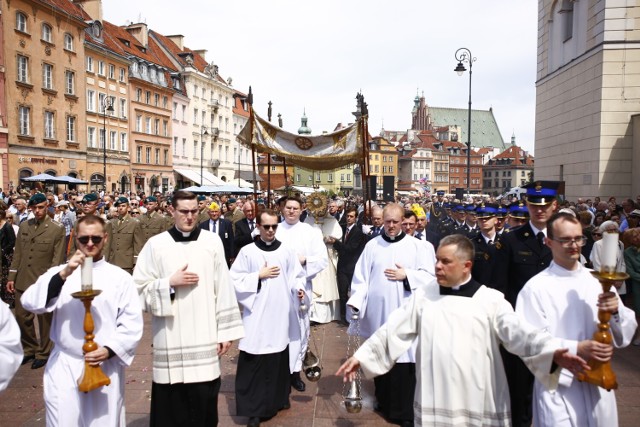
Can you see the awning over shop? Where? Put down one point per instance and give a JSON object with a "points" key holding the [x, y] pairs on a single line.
{"points": [[194, 176]]}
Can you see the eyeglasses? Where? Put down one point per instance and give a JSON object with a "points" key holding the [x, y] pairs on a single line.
{"points": [[597, 234], [567, 243], [270, 226], [94, 239], [186, 212]]}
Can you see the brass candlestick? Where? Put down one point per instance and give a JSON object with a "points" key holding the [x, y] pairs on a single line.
{"points": [[601, 373], [93, 376]]}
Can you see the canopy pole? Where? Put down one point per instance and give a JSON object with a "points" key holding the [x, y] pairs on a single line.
{"points": [[253, 148]]}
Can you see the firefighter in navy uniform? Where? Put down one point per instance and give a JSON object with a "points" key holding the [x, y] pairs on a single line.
{"points": [[520, 255], [501, 218], [484, 240]]}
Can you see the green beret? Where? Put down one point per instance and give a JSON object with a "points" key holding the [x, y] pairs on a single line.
{"points": [[201, 198], [232, 200], [37, 198], [121, 201], [89, 197], [151, 199]]}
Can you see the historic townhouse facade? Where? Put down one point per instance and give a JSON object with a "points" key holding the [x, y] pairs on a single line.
{"points": [[44, 88]]}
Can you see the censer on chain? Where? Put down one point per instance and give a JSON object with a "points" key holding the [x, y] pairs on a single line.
{"points": [[310, 363], [353, 397]]}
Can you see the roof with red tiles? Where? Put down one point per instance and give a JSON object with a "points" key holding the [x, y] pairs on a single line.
{"points": [[68, 8], [239, 100], [131, 46], [517, 154]]}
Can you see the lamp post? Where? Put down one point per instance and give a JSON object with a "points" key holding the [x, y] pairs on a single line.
{"points": [[203, 132], [106, 107], [463, 55]]}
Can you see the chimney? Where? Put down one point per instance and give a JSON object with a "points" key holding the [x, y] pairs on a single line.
{"points": [[92, 7], [202, 53], [140, 32], [178, 39]]}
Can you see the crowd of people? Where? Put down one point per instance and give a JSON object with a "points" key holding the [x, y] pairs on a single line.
{"points": [[454, 296]]}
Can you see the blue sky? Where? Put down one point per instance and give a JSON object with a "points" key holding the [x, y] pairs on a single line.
{"points": [[316, 55]]}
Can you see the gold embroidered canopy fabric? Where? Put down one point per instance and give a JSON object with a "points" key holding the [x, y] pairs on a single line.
{"points": [[323, 152]]}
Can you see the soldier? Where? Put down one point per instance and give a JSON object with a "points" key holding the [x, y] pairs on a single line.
{"points": [[39, 246], [152, 222], [520, 255], [484, 239], [203, 211], [126, 237]]}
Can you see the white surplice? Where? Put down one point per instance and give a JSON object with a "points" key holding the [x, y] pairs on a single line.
{"points": [[306, 241], [268, 313], [374, 295], [118, 324], [564, 302], [10, 348], [325, 306], [460, 376], [187, 330]]}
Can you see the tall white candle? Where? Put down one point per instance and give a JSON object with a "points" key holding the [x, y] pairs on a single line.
{"points": [[609, 252], [87, 275]]}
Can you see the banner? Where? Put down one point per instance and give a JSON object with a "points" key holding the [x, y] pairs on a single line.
{"points": [[324, 152]]}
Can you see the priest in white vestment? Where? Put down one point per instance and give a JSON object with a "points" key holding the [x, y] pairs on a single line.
{"points": [[325, 305], [390, 269], [459, 325], [307, 243], [10, 346], [564, 300], [269, 281], [118, 328], [184, 283]]}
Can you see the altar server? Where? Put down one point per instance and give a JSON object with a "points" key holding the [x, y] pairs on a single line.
{"points": [[268, 281], [10, 347], [118, 329]]}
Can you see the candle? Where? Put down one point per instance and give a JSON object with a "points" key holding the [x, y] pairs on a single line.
{"points": [[609, 252], [87, 275]]}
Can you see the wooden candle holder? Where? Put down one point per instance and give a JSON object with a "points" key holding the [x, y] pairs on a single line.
{"points": [[93, 376], [601, 373]]}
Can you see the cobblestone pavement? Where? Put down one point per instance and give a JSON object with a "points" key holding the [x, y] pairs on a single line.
{"points": [[320, 405]]}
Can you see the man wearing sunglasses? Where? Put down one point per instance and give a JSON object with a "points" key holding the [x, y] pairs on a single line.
{"points": [[39, 246], [268, 282], [117, 332], [184, 283], [564, 299], [89, 206]]}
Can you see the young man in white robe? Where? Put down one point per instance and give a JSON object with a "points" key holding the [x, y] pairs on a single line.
{"points": [[10, 346], [460, 325], [183, 281], [392, 266], [118, 328], [269, 282], [309, 247], [564, 299]]}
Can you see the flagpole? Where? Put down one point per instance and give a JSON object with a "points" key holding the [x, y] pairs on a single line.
{"points": [[253, 149], [269, 164]]}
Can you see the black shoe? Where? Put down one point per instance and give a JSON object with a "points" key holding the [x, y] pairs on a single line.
{"points": [[253, 422], [296, 382], [38, 363], [27, 359]]}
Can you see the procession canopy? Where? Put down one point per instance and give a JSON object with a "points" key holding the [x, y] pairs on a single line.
{"points": [[323, 152]]}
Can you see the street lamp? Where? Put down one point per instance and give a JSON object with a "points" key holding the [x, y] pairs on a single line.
{"points": [[106, 107], [203, 132], [463, 55]]}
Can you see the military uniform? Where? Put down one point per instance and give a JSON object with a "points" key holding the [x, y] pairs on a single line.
{"points": [[483, 261], [38, 248], [152, 224], [126, 242]]}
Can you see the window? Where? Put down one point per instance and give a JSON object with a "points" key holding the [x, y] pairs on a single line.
{"points": [[101, 139], [123, 108], [139, 154], [91, 100], [156, 127], [49, 125], [113, 138], [157, 156], [68, 42], [297, 177], [156, 99], [175, 111], [71, 128], [25, 120], [69, 82], [148, 97], [122, 75], [391, 169], [195, 116], [195, 90], [138, 123], [91, 137], [317, 176], [21, 22], [166, 157], [89, 64], [46, 33], [123, 142], [204, 92], [195, 149], [143, 72], [23, 69], [101, 102], [184, 147], [175, 145], [47, 76], [112, 71], [147, 124], [165, 127], [330, 177], [148, 155]]}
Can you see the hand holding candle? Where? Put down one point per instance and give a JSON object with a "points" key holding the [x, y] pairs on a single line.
{"points": [[87, 275]]}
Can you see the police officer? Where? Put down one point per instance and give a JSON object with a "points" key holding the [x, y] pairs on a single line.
{"points": [[520, 255], [40, 244], [484, 240], [126, 237]]}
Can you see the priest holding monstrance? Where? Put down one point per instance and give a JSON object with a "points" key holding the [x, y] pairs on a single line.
{"points": [[117, 319]]}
